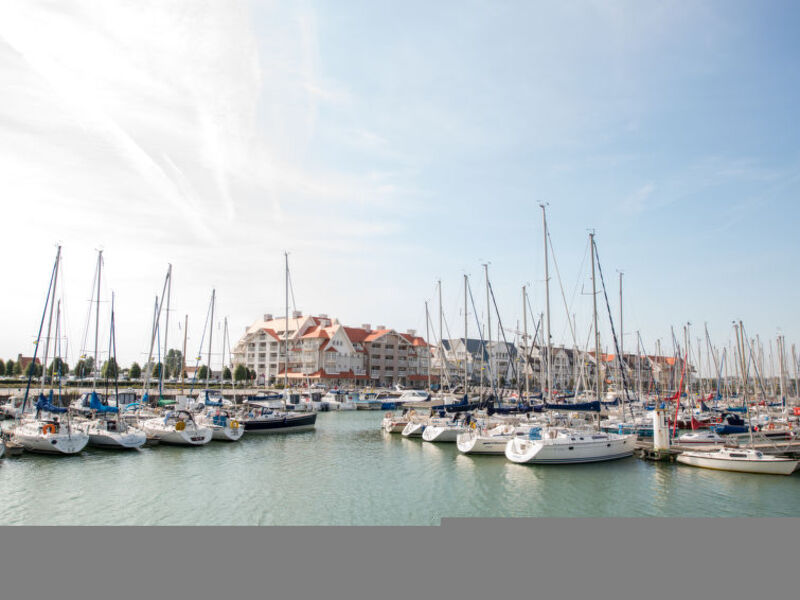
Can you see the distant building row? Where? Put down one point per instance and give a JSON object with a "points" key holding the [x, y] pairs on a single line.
{"points": [[322, 349]]}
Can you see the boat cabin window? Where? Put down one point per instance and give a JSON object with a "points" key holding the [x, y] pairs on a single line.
{"points": [[738, 455]]}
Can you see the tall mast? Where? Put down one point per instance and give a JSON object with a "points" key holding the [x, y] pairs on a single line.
{"points": [[621, 336], [428, 341], [210, 335], [166, 319], [97, 319], [441, 341], [286, 328], [598, 358], [50, 293], [466, 331], [794, 370], [183, 354], [740, 339], [525, 343], [488, 325], [548, 352]]}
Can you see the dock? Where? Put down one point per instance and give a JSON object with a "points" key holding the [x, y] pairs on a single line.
{"points": [[646, 451]]}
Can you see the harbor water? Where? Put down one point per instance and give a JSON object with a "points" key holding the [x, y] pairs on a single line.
{"points": [[349, 472]]}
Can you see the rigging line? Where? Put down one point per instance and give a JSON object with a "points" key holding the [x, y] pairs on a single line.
{"points": [[200, 352], [561, 287], [502, 331], [89, 313], [613, 333], [487, 363], [445, 366], [291, 290]]}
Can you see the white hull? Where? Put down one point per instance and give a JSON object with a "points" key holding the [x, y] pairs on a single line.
{"points": [[33, 440], [226, 434], [413, 430], [594, 447], [190, 436], [443, 433], [130, 440], [482, 444], [766, 465], [394, 425]]}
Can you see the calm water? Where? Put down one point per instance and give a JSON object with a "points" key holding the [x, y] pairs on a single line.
{"points": [[348, 472]]}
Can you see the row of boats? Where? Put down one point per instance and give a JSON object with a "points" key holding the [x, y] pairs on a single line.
{"points": [[534, 435], [50, 429]]}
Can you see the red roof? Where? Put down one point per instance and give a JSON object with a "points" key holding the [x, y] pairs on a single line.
{"points": [[356, 334], [374, 335], [316, 332], [271, 332]]}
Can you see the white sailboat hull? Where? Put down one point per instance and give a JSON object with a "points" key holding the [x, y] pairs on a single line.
{"points": [[771, 466], [191, 436], [129, 440], [442, 433], [482, 444], [51, 443], [413, 430], [603, 447], [394, 425], [227, 433]]}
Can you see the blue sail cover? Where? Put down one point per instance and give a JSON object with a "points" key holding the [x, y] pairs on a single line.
{"points": [[97, 406], [46, 405], [209, 402], [580, 406]]}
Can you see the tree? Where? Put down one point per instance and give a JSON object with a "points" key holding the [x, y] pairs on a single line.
{"points": [[157, 371], [135, 371], [2, 368], [17, 368], [226, 374], [202, 372], [240, 373], [173, 361], [10, 367], [84, 367], [34, 369], [110, 369], [57, 367]]}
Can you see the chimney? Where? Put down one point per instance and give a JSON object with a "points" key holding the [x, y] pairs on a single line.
{"points": [[323, 316], [267, 317], [296, 314], [381, 326], [411, 332], [366, 326]]}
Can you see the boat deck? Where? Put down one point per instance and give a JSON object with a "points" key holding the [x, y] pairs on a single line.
{"points": [[645, 450]]}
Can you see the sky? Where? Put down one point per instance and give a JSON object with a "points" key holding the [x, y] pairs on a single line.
{"points": [[389, 145]]}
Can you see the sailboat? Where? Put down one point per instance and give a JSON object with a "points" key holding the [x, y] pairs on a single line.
{"points": [[44, 431], [261, 417], [741, 460], [568, 445], [224, 426]]}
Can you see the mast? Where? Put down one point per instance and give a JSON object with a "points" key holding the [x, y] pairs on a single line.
{"points": [[441, 342], [466, 331], [621, 336], [210, 335], [525, 343], [183, 354], [740, 339], [97, 319], [794, 370], [428, 341], [166, 319], [488, 324], [50, 292], [286, 329], [598, 382], [549, 381]]}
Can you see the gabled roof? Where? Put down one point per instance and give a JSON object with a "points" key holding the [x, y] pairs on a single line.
{"points": [[271, 332], [355, 334], [374, 335], [315, 332]]}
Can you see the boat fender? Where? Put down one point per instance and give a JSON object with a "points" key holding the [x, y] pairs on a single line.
{"points": [[49, 428], [388, 415], [180, 426], [234, 424], [771, 426], [473, 425]]}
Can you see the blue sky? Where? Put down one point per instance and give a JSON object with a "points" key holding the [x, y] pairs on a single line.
{"points": [[387, 144]]}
